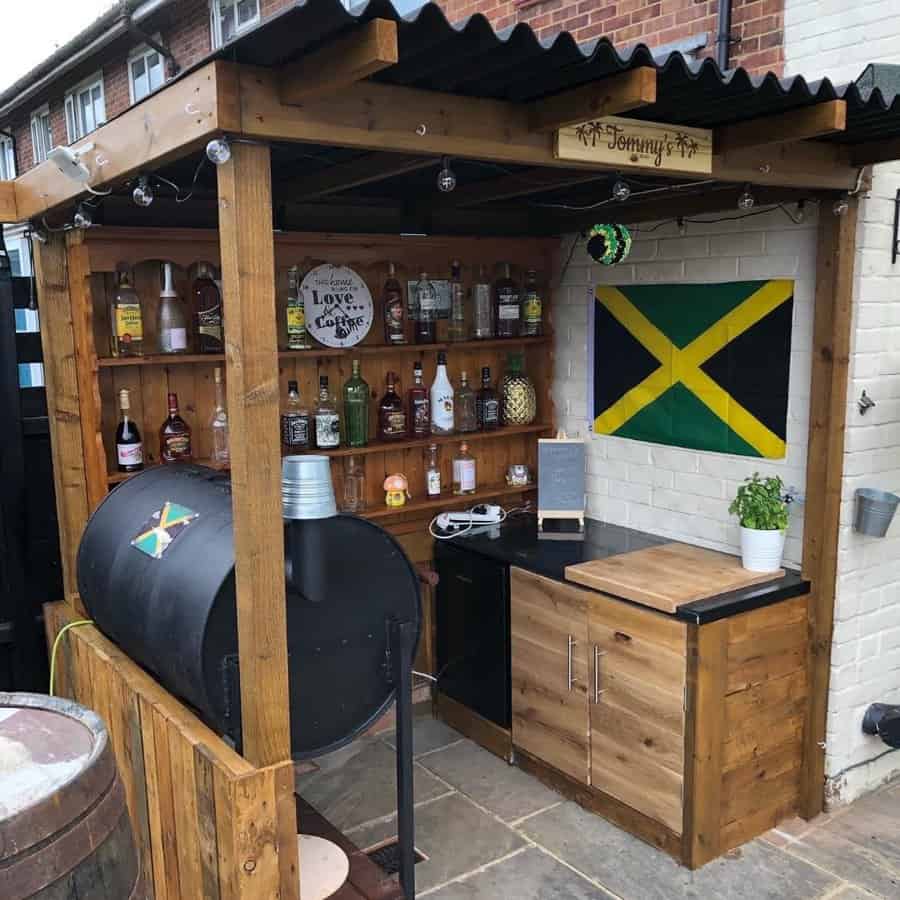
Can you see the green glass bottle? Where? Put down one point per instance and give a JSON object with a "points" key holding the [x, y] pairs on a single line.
{"points": [[356, 409]]}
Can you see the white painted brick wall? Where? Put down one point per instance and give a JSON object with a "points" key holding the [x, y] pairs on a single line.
{"points": [[837, 40], [679, 493]]}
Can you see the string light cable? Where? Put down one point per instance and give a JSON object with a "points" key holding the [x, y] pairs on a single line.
{"points": [[62, 631]]}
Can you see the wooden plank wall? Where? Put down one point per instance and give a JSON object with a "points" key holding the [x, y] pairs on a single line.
{"points": [[207, 824]]}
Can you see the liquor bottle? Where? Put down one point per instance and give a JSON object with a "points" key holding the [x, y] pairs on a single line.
{"points": [[391, 415], [432, 472], [126, 320], [172, 324], [295, 311], [506, 300], [483, 313], [441, 399], [464, 481], [207, 311], [129, 448], [296, 424], [394, 313], [426, 318], [457, 325], [518, 398], [221, 447], [354, 486], [174, 436], [418, 406], [487, 403], [356, 408], [532, 307], [328, 420], [464, 406]]}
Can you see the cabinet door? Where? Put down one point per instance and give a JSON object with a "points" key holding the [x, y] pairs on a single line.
{"points": [[550, 672], [638, 667]]}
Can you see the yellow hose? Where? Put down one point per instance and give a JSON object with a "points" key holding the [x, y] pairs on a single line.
{"points": [[62, 631]]}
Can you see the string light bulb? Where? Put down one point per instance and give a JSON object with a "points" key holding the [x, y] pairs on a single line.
{"points": [[218, 151], [746, 201], [143, 192], [446, 180], [682, 227], [84, 218], [620, 190], [841, 205]]}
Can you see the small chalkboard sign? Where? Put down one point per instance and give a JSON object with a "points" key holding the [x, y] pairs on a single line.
{"points": [[560, 480]]}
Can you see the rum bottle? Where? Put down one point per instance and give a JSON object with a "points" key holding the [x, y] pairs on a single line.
{"points": [[356, 408], [487, 403], [464, 406], [207, 311], [127, 322], [391, 415], [441, 399], [432, 472], [426, 318], [464, 480], [506, 300], [172, 323], [328, 420], [483, 307], [174, 436], [296, 423], [129, 448], [418, 406], [394, 313], [295, 311], [532, 307], [457, 325], [221, 452]]}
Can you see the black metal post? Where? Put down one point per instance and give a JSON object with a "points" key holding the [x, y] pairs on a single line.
{"points": [[403, 639]]}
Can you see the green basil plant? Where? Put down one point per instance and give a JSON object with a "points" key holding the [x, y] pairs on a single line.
{"points": [[760, 503]]}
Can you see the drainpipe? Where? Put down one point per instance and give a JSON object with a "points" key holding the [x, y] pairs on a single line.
{"points": [[137, 15], [723, 38]]}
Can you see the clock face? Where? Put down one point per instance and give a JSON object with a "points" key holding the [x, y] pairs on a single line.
{"points": [[337, 304]]}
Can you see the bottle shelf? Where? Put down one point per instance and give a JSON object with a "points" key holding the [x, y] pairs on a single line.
{"points": [[449, 501], [176, 359], [119, 477]]}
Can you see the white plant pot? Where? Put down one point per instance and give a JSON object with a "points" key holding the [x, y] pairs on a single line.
{"points": [[761, 551]]}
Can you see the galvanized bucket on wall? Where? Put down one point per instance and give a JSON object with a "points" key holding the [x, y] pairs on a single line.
{"points": [[874, 511]]}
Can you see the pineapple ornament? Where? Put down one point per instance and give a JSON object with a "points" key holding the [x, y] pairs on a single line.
{"points": [[518, 399]]}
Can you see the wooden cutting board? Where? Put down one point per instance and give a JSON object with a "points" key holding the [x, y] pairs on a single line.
{"points": [[667, 576]]}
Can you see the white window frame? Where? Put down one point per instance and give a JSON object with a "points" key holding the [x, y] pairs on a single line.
{"points": [[73, 108], [215, 16], [7, 159], [41, 141], [144, 52]]}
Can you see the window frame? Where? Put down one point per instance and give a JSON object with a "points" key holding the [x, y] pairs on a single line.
{"points": [[72, 103], [142, 52], [7, 158], [215, 23], [36, 121]]}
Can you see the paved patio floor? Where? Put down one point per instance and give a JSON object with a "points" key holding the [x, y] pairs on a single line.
{"points": [[491, 832]]}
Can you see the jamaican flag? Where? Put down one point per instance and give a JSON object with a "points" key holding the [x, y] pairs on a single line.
{"points": [[703, 366]]}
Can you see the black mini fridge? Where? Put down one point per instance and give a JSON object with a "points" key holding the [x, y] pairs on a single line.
{"points": [[472, 623]]}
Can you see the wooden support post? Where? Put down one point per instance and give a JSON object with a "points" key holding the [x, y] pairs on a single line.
{"points": [[8, 211], [251, 361], [835, 258], [63, 409]]}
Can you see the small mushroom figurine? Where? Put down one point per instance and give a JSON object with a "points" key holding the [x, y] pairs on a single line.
{"points": [[396, 490]]}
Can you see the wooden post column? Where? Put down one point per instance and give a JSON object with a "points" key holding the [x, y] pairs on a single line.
{"points": [[835, 258], [251, 361]]}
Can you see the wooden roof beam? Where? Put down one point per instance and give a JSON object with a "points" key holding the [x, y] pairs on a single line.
{"points": [[607, 97], [520, 184], [341, 63], [8, 211], [873, 152], [795, 125]]}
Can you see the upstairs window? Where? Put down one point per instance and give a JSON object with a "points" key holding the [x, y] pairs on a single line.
{"points": [[7, 159], [41, 134], [232, 17], [85, 108], [146, 73]]}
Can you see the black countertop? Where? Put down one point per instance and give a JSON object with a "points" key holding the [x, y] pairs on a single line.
{"points": [[516, 542]]}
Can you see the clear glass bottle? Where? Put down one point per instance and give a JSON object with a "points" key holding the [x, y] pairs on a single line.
{"points": [[126, 320], [464, 406], [418, 406], [464, 474], [129, 447], [426, 315], [441, 399], [174, 436], [356, 409], [209, 333], [532, 307], [328, 420], [506, 301], [172, 321], [483, 307], [296, 422], [354, 487], [394, 311], [391, 414], [457, 330], [295, 311], [221, 450], [487, 403], [432, 472]]}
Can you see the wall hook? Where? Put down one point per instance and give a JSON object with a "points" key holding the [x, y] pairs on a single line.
{"points": [[865, 403]]}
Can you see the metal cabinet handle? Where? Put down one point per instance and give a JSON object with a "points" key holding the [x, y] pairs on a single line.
{"points": [[570, 679], [597, 690]]}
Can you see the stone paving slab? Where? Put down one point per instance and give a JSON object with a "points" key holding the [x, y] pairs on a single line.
{"points": [[428, 735]]}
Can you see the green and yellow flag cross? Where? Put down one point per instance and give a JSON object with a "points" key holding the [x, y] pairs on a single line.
{"points": [[703, 366]]}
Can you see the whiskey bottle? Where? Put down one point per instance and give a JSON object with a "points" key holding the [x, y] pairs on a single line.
{"points": [[172, 324], [394, 312], [174, 436], [126, 320], [426, 318], [457, 325], [129, 448], [487, 403], [328, 420], [441, 399], [483, 312], [221, 452], [207, 311], [296, 427], [506, 300], [464, 480], [356, 408], [432, 472], [418, 405], [391, 415], [464, 406], [532, 307], [295, 311]]}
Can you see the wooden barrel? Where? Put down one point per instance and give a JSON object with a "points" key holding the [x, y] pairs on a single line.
{"points": [[64, 826]]}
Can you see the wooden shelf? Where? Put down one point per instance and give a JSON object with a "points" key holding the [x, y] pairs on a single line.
{"points": [[160, 359], [119, 477], [449, 500]]}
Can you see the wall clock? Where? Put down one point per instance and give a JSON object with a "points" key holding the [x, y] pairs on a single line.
{"points": [[337, 304]]}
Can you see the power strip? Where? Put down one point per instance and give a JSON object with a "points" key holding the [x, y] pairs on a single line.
{"points": [[483, 514]]}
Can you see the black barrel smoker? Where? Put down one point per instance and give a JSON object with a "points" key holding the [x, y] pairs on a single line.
{"points": [[156, 573]]}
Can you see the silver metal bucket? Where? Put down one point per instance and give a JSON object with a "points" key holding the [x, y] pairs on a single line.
{"points": [[306, 488], [874, 511]]}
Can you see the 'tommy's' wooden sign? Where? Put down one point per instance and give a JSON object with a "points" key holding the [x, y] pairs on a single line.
{"points": [[628, 142]]}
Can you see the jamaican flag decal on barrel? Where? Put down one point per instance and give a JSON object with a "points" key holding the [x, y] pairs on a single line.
{"points": [[703, 366]]}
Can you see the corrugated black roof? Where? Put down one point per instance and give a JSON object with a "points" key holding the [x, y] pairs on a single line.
{"points": [[471, 59]]}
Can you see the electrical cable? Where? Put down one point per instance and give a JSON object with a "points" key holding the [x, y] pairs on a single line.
{"points": [[612, 201], [62, 631]]}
